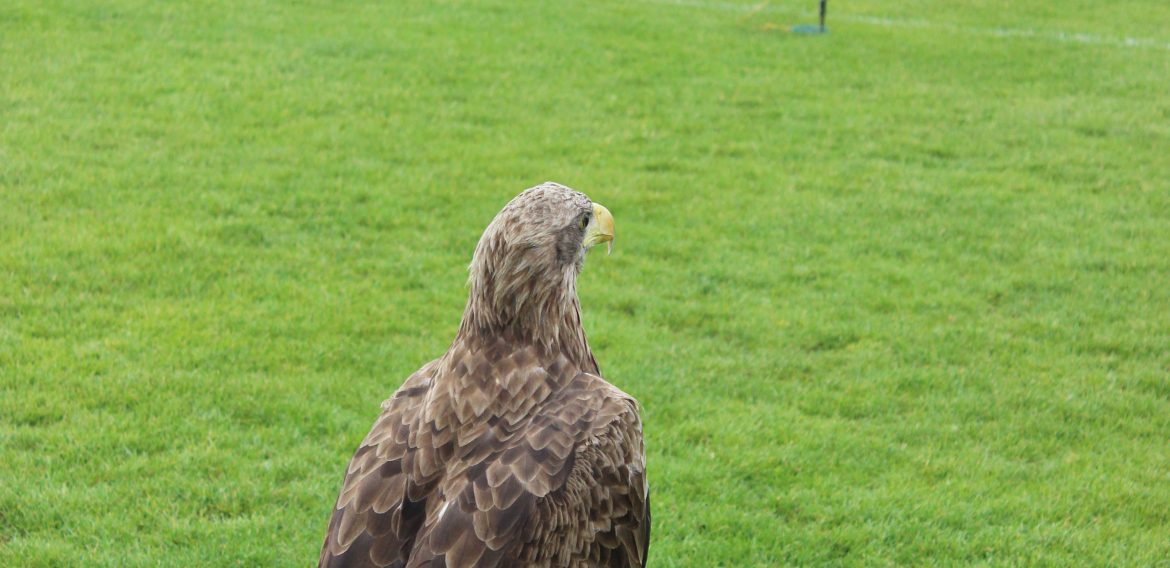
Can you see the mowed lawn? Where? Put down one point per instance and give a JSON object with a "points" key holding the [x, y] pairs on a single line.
{"points": [[897, 295]]}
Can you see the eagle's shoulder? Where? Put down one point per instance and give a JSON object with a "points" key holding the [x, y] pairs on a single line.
{"points": [[380, 507], [601, 515], [590, 408]]}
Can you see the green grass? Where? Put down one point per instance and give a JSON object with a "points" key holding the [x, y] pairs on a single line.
{"points": [[898, 295]]}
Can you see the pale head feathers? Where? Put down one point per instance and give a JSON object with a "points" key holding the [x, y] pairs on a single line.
{"points": [[523, 276]]}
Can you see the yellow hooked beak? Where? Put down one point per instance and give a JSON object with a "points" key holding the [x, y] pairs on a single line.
{"points": [[600, 228]]}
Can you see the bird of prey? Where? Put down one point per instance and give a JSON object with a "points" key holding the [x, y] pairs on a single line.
{"points": [[510, 449]]}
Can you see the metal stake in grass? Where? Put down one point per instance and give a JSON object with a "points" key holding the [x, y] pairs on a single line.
{"points": [[814, 30]]}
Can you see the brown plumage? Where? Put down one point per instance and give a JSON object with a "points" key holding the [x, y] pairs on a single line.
{"points": [[510, 449]]}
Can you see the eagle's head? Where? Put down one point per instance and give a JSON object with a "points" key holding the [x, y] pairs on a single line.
{"points": [[524, 272]]}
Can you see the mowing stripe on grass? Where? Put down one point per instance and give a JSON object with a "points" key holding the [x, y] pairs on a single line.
{"points": [[1058, 36]]}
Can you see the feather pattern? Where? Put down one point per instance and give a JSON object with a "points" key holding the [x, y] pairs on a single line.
{"points": [[510, 449]]}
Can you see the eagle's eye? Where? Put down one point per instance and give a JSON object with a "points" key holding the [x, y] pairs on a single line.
{"points": [[584, 220]]}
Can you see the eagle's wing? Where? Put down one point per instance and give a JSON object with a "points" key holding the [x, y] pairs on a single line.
{"points": [[564, 487], [382, 505], [607, 489]]}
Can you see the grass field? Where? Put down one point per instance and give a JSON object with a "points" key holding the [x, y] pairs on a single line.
{"points": [[898, 295]]}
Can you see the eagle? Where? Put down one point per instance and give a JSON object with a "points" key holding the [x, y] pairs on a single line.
{"points": [[510, 449]]}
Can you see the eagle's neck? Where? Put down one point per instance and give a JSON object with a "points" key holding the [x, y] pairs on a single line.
{"points": [[529, 307], [549, 323]]}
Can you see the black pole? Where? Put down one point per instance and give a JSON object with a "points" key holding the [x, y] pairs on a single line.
{"points": [[823, 3]]}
